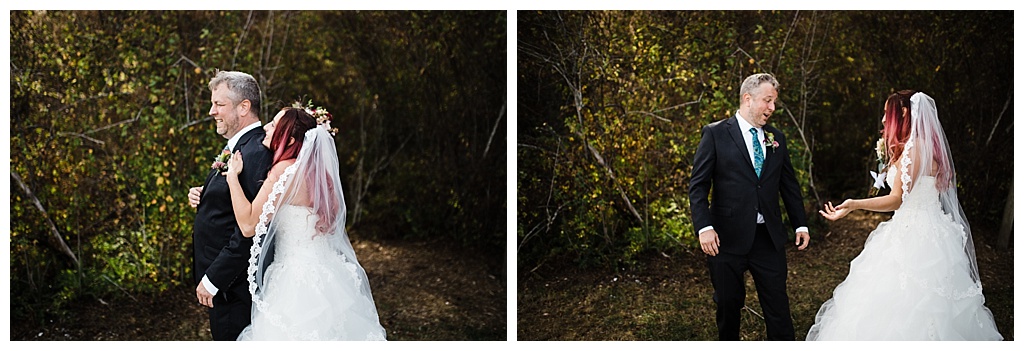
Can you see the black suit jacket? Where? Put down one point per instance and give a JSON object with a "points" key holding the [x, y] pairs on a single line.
{"points": [[221, 251], [722, 162]]}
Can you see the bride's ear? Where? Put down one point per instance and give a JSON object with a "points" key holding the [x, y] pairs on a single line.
{"points": [[291, 141]]}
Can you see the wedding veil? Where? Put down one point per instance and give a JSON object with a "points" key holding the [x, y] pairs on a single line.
{"points": [[926, 154], [312, 181]]}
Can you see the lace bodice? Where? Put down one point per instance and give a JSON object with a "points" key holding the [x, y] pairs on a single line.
{"points": [[295, 239]]}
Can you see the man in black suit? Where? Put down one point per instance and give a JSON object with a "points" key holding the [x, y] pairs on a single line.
{"points": [[741, 228], [221, 251]]}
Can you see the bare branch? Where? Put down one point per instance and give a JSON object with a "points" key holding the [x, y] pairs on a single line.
{"points": [[611, 174], [496, 124], [55, 239], [782, 49], [189, 124], [86, 137], [756, 61], [660, 118], [238, 44], [97, 96], [137, 114], [83, 136], [119, 287], [701, 97], [1005, 106], [186, 59]]}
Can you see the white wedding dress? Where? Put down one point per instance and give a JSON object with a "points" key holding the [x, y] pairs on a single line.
{"points": [[912, 281], [314, 288]]}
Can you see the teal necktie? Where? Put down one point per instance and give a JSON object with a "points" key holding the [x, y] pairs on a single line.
{"points": [[758, 152]]}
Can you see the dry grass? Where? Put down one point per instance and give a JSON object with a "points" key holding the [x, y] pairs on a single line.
{"points": [[669, 298], [423, 291]]}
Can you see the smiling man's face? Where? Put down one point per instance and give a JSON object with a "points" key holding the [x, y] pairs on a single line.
{"points": [[224, 112], [760, 104]]}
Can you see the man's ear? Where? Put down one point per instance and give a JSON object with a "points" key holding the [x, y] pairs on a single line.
{"points": [[244, 107]]}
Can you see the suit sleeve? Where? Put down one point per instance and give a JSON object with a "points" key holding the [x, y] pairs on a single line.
{"points": [[233, 259], [700, 180], [790, 189]]}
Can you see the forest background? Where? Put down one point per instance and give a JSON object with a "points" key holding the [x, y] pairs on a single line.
{"points": [[610, 109], [109, 129]]}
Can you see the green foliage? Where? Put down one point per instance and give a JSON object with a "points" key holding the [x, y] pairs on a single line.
{"points": [[108, 131], [612, 104]]}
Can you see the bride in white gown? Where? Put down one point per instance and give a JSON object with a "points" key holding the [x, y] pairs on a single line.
{"points": [[917, 277], [303, 275]]}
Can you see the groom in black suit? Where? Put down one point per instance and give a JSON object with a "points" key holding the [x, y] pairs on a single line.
{"points": [[741, 228], [221, 251]]}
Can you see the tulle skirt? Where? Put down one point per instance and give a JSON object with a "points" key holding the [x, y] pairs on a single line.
{"points": [[313, 297], [911, 282]]}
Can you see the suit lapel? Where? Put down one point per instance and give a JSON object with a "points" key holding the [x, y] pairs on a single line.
{"points": [[246, 138], [737, 138], [769, 152]]}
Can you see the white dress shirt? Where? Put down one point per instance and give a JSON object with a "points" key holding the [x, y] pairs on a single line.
{"points": [[744, 127]]}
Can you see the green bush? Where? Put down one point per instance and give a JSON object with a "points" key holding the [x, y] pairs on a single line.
{"points": [[109, 130]]}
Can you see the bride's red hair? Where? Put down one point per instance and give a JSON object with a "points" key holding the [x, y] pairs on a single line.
{"points": [[896, 129], [293, 126]]}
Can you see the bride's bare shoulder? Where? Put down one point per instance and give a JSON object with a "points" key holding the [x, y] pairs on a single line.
{"points": [[278, 169]]}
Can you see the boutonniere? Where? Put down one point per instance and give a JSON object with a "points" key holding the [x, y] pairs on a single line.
{"points": [[770, 140], [221, 161]]}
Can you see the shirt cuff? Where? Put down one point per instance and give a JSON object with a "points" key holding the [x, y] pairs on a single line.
{"points": [[802, 229], [209, 286], [702, 230]]}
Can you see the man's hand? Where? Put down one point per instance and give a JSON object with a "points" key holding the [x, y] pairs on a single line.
{"points": [[709, 242], [193, 196], [804, 238], [205, 298]]}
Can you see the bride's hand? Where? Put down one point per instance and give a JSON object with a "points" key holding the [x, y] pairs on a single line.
{"points": [[235, 164], [835, 213]]}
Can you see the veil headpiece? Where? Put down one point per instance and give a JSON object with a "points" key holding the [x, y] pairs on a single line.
{"points": [[313, 181], [926, 154]]}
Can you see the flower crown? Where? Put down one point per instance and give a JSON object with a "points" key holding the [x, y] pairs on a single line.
{"points": [[322, 116]]}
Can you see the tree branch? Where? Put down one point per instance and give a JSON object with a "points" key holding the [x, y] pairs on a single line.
{"points": [[238, 44], [86, 137], [55, 239], [83, 136], [495, 129], [189, 124], [1005, 106]]}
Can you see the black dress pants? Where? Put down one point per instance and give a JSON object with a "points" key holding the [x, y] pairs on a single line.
{"points": [[231, 313], [768, 267]]}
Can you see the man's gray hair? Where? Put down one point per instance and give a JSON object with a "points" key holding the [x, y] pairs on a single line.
{"points": [[241, 86], [754, 81]]}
